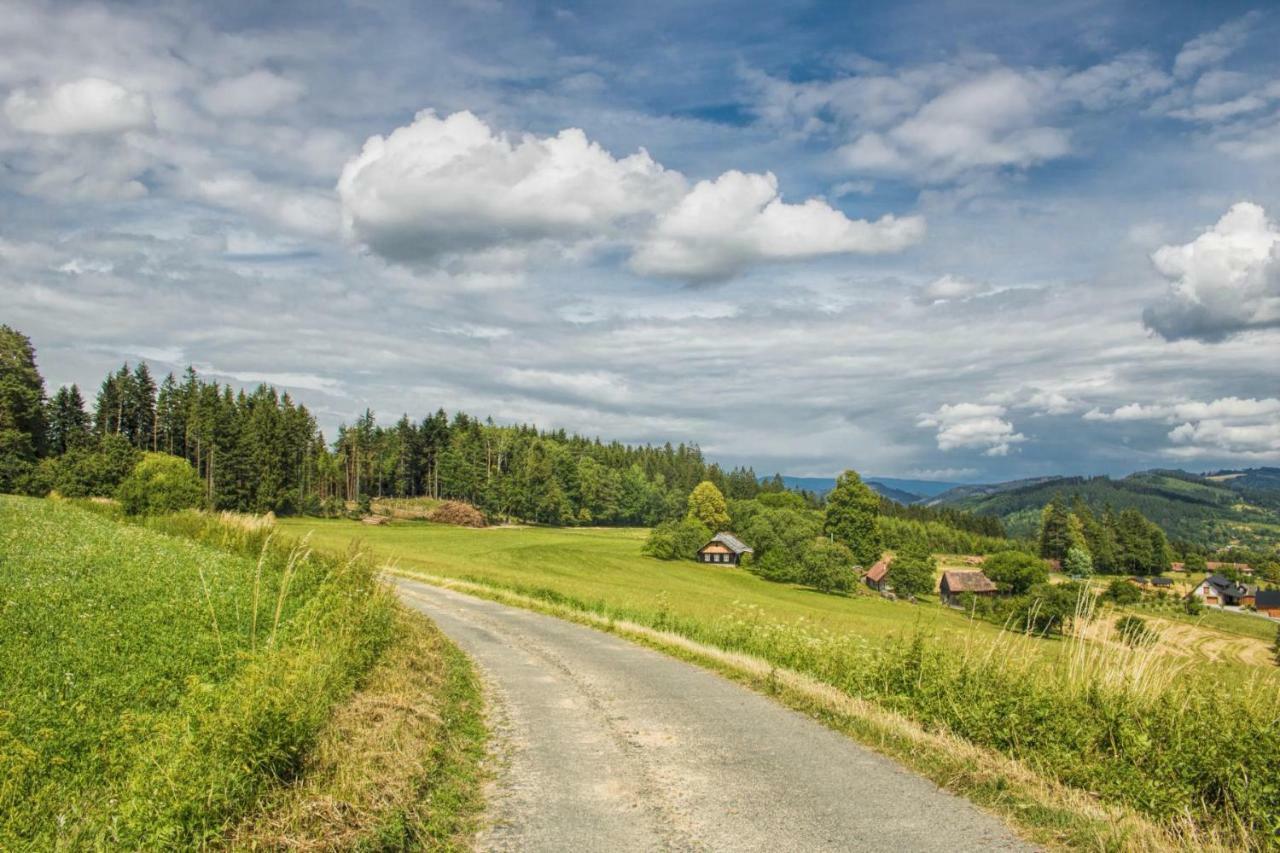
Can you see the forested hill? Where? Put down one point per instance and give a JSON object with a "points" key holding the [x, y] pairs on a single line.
{"points": [[1218, 509]]}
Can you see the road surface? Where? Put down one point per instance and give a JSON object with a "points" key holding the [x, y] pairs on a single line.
{"points": [[606, 745]]}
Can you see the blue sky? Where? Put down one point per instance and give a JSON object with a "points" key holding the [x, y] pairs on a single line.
{"points": [[952, 240]]}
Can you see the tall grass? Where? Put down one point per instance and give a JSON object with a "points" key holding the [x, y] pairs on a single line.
{"points": [[151, 687], [1122, 723]]}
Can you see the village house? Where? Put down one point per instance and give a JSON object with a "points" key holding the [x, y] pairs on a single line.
{"points": [[723, 548], [1220, 591], [956, 583], [877, 576], [1161, 582], [1267, 602]]}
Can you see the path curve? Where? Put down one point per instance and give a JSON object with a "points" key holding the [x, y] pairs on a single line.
{"points": [[606, 745]]}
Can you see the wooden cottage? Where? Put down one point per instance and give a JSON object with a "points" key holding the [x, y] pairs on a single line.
{"points": [[877, 577], [1267, 602], [723, 548], [956, 583]]}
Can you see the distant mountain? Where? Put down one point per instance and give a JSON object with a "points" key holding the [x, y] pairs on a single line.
{"points": [[893, 488], [1222, 508], [885, 490]]}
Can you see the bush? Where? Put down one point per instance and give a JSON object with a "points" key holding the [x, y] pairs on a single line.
{"points": [[1049, 608], [781, 538], [160, 484], [912, 571], [457, 512], [1122, 592], [676, 540], [1015, 571], [1193, 605], [1134, 631], [828, 566], [1078, 563]]}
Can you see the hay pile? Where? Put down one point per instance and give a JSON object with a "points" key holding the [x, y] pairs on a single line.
{"points": [[457, 512]]}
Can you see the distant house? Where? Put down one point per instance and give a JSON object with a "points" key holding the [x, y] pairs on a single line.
{"points": [[877, 576], [1220, 591], [1162, 583], [956, 583], [1242, 568], [723, 548], [1267, 602], [1138, 581]]}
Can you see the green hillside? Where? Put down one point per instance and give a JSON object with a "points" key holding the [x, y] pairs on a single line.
{"points": [[1228, 508]]}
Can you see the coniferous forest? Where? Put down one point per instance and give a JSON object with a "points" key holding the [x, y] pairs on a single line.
{"points": [[260, 451]]}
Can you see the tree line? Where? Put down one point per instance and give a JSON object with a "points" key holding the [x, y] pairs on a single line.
{"points": [[259, 451]]}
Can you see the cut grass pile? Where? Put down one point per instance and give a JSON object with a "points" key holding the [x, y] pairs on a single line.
{"points": [[154, 688], [1193, 755]]}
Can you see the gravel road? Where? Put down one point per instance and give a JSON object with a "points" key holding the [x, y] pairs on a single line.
{"points": [[605, 745]]}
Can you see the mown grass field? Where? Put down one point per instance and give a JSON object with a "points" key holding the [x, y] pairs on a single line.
{"points": [[1123, 727], [157, 691]]}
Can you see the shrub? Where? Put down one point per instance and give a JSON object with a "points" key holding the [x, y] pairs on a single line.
{"points": [[1123, 592], [912, 570], [780, 538], [1078, 563], [1134, 631], [1015, 571], [676, 540], [828, 566], [160, 484], [1049, 608], [1192, 605]]}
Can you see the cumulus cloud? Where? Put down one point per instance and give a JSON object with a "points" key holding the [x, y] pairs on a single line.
{"points": [[256, 93], [449, 187], [90, 105], [723, 226], [1224, 282], [972, 425], [1244, 428]]}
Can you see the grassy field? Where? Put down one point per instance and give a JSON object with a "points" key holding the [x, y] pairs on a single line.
{"points": [[155, 691], [1131, 726], [604, 565]]}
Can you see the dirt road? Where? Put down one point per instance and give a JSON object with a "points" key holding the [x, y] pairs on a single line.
{"points": [[606, 745]]}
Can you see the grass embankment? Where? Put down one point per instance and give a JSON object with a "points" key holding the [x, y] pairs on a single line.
{"points": [[1142, 753], [154, 689]]}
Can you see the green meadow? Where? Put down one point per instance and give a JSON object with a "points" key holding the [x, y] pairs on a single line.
{"points": [[161, 685], [1136, 728]]}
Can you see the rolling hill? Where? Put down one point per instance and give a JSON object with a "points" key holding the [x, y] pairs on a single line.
{"points": [[893, 488], [1218, 509]]}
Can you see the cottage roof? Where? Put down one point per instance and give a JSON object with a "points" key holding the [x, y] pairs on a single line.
{"points": [[733, 543], [876, 573], [1220, 581], [967, 581], [1158, 581], [1138, 579], [1267, 598]]}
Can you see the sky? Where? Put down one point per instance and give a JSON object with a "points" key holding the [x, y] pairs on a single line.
{"points": [[962, 241]]}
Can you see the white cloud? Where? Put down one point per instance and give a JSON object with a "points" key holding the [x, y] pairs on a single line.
{"points": [[257, 93], [449, 187], [723, 226], [950, 288], [989, 121], [90, 105], [1213, 47], [1224, 282], [1237, 427], [972, 425]]}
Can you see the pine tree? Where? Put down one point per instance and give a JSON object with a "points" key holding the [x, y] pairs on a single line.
{"points": [[68, 421], [22, 414]]}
